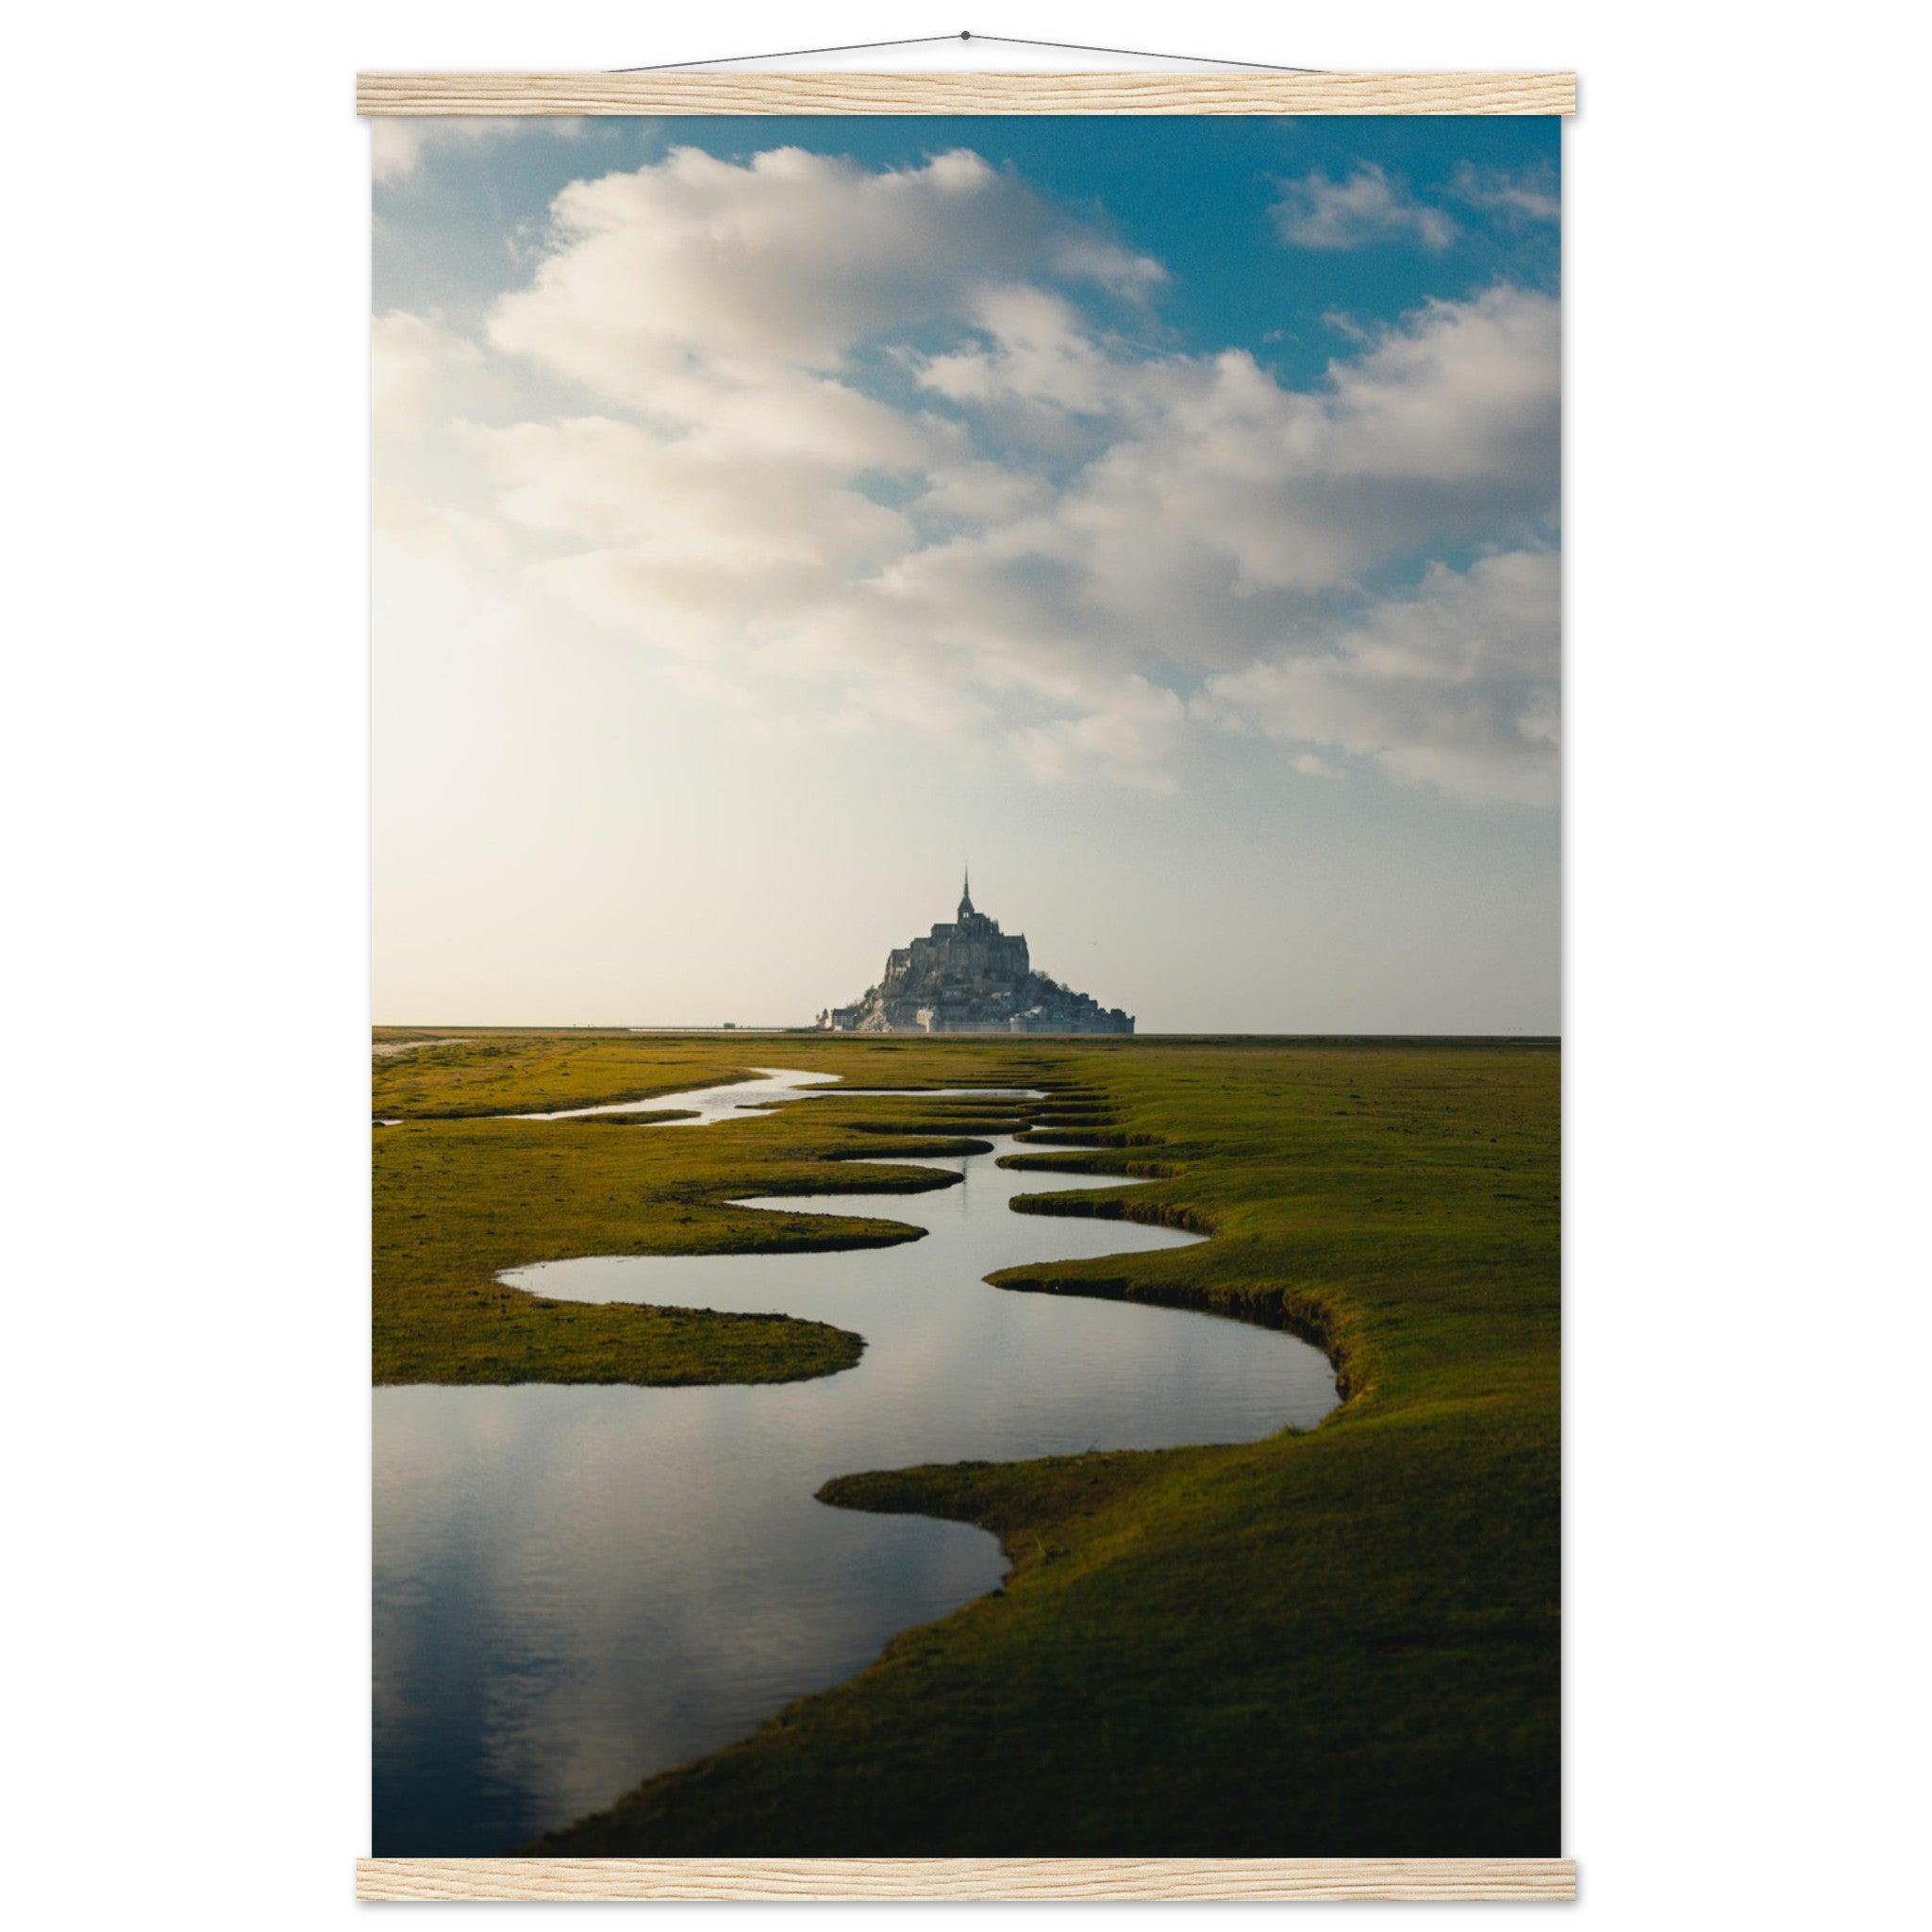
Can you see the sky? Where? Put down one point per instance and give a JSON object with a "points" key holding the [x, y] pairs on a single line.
{"points": [[773, 516]]}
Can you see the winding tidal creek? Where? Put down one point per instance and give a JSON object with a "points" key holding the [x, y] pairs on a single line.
{"points": [[575, 1587]]}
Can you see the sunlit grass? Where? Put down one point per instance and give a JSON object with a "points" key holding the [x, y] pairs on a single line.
{"points": [[1342, 1642]]}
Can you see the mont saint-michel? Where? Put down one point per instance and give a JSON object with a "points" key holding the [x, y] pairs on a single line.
{"points": [[968, 976]]}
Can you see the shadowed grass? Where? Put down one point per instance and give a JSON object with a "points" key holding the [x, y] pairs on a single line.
{"points": [[1337, 1644]]}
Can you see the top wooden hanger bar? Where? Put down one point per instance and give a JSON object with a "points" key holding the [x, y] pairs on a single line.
{"points": [[670, 93]]}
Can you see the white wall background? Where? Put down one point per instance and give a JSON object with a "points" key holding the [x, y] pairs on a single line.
{"points": [[185, 777]]}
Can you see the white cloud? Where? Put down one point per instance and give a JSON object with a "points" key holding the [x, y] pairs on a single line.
{"points": [[1129, 735], [888, 450], [977, 491], [424, 379], [419, 372], [1528, 194], [695, 545], [1454, 684], [1357, 212], [1436, 433], [398, 144], [789, 260], [693, 497], [1214, 497]]}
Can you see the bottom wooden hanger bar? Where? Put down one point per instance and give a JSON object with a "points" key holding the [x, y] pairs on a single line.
{"points": [[424, 1880]]}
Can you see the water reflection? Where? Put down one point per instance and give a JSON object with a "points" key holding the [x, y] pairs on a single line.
{"points": [[770, 1087], [577, 1586], [707, 1104]]}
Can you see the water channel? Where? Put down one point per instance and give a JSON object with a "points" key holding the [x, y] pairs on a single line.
{"points": [[578, 1586]]}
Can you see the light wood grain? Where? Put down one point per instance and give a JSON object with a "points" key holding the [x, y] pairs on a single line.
{"points": [[428, 1880], [965, 93]]}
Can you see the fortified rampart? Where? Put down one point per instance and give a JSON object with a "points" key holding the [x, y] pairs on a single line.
{"points": [[968, 976]]}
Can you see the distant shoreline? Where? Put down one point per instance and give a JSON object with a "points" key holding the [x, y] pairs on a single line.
{"points": [[1104, 1041]]}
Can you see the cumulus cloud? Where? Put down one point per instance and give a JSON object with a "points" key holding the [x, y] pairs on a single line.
{"points": [[695, 542], [904, 450], [1527, 194], [421, 373], [977, 491], [1358, 211], [427, 380], [1454, 684], [1129, 735], [789, 260], [398, 144], [1438, 431]]}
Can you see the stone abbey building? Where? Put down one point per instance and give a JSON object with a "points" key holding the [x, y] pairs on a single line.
{"points": [[971, 977]]}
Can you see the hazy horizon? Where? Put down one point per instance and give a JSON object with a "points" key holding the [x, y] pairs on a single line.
{"points": [[773, 516]]}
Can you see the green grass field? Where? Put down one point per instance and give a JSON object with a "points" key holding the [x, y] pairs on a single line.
{"points": [[1343, 1643]]}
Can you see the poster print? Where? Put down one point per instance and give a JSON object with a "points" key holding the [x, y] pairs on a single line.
{"points": [[966, 951]]}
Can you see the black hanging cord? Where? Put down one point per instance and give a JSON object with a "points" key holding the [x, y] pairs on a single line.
{"points": [[999, 39]]}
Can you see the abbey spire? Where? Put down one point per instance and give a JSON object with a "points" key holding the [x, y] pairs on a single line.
{"points": [[971, 977]]}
